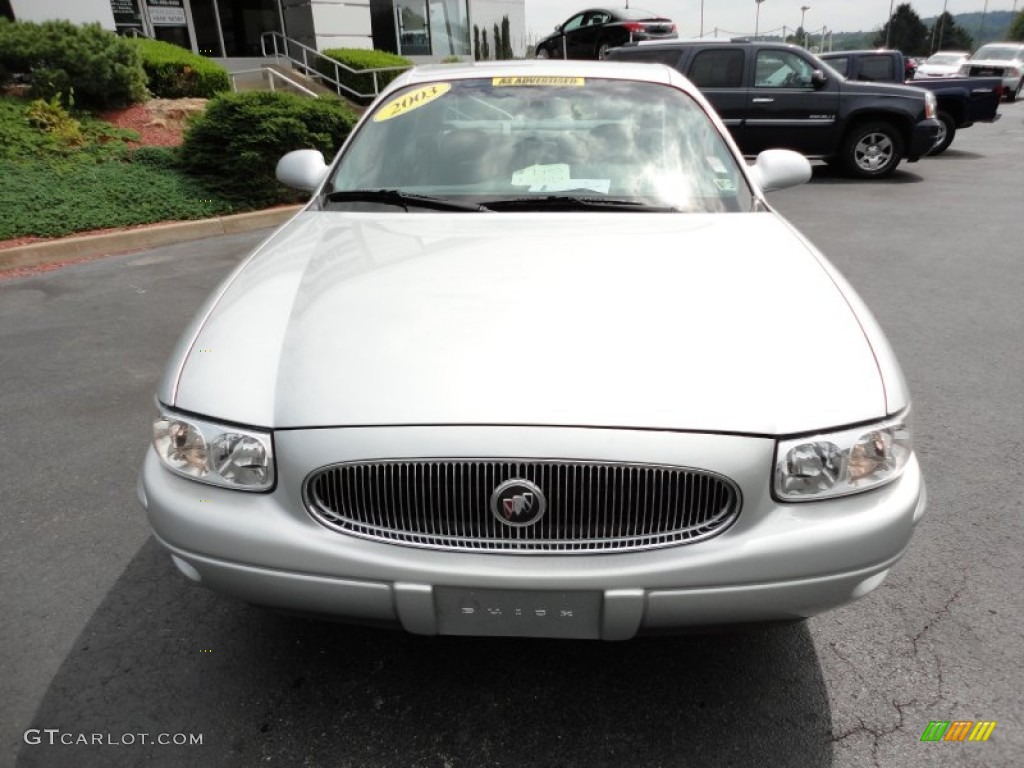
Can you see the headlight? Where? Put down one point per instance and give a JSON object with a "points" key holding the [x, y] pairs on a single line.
{"points": [[231, 457], [931, 105], [840, 463]]}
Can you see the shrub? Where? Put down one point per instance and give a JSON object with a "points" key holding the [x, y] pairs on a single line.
{"points": [[175, 73], [102, 69], [50, 117], [361, 58], [237, 142]]}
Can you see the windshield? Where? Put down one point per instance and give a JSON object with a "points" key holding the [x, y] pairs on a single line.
{"points": [[538, 138], [946, 58], [999, 53]]}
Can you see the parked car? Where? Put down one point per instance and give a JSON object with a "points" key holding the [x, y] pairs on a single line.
{"points": [[942, 64], [961, 101], [588, 34], [777, 95], [538, 358], [1005, 60]]}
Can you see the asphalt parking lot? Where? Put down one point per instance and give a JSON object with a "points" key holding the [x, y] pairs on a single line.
{"points": [[102, 636]]}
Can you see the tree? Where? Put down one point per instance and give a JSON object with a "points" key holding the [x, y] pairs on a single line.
{"points": [[506, 39], [499, 47], [1016, 28], [476, 42], [485, 51], [947, 35], [905, 32], [799, 37]]}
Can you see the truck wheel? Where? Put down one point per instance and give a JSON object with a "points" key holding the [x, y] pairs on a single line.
{"points": [[947, 131], [1012, 95], [872, 150]]}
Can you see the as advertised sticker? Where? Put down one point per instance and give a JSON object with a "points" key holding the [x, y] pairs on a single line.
{"points": [[411, 100], [574, 82]]}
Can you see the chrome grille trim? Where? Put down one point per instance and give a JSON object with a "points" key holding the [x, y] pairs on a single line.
{"points": [[592, 506]]}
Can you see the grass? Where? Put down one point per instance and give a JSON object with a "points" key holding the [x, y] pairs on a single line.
{"points": [[59, 182]]}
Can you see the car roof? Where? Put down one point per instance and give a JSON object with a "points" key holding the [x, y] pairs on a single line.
{"points": [[612, 70]]}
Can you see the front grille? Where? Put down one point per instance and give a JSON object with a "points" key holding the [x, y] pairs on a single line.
{"points": [[445, 504]]}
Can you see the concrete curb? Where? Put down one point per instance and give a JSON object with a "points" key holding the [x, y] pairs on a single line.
{"points": [[125, 241]]}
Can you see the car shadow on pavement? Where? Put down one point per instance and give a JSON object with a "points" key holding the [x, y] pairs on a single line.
{"points": [[172, 661], [827, 174]]}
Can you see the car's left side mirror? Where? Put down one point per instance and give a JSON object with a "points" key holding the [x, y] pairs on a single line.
{"points": [[302, 169], [780, 168], [818, 78]]}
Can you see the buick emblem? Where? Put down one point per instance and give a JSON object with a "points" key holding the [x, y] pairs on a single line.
{"points": [[518, 503]]}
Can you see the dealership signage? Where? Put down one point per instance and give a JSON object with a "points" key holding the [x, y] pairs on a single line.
{"points": [[167, 13]]}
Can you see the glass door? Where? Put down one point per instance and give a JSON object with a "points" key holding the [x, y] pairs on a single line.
{"points": [[413, 23]]}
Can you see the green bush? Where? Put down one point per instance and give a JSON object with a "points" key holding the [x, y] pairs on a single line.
{"points": [[23, 126], [361, 58], [99, 68], [236, 143], [175, 73], [50, 117]]}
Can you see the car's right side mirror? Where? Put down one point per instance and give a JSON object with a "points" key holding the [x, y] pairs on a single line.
{"points": [[818, 78], [780, 168]]}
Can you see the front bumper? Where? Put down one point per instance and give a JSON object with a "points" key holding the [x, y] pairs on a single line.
{"points": [[777, 562], [923, 138]]}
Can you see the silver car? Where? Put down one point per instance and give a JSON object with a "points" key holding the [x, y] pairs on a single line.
{"points": [[537, 359], [1005, 60]]}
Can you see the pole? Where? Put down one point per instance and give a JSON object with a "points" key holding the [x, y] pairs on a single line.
{"points": [[702, 18], [757, 18], [888, 25], [803, 12], [982, 27]]}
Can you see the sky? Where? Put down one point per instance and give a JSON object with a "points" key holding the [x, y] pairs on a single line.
{"points": [[737, 17]]}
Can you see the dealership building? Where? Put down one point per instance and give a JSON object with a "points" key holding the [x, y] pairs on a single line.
{"points": [[423, 30]]}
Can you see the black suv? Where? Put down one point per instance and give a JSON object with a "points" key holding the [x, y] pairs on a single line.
{"points": [[772, 95]]}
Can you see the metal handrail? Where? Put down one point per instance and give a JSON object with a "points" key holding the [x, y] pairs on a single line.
{"points": [[273, 73], [304, 66]]}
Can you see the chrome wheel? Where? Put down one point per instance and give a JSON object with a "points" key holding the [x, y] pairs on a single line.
{"points": [[873, 152]]}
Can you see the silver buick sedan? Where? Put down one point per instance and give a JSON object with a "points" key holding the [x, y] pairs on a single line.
{"points": [[537, 359]]}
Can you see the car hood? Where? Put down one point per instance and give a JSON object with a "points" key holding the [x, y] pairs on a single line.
{"points": [[717, 322]]}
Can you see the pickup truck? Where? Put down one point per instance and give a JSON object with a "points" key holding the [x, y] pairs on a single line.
{"points": [[773, 95], [963, 101]]}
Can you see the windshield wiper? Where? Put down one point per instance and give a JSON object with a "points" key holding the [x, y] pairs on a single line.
{"points": [[575, 203], [401, 199]]}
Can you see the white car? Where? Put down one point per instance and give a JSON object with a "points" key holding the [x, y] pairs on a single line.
{"points": [[941, 64], [538, 358], [1005, 60]]}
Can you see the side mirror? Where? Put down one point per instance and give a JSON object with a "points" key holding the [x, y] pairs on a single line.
{"points": [[302, 169], [780, 168], [818, 78]]}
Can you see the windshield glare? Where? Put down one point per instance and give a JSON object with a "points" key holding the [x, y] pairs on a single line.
{"points": [[514, 138]]}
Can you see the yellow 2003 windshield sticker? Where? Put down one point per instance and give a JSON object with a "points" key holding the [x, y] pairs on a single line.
{"points": [[499, 82], [411, 100]]}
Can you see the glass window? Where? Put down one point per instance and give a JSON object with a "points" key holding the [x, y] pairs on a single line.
{"points": [[574, 23], [487, 140], [840, 64], [412, 20], [782, 69], [717, 69], [449, 28], [878, 68]]}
